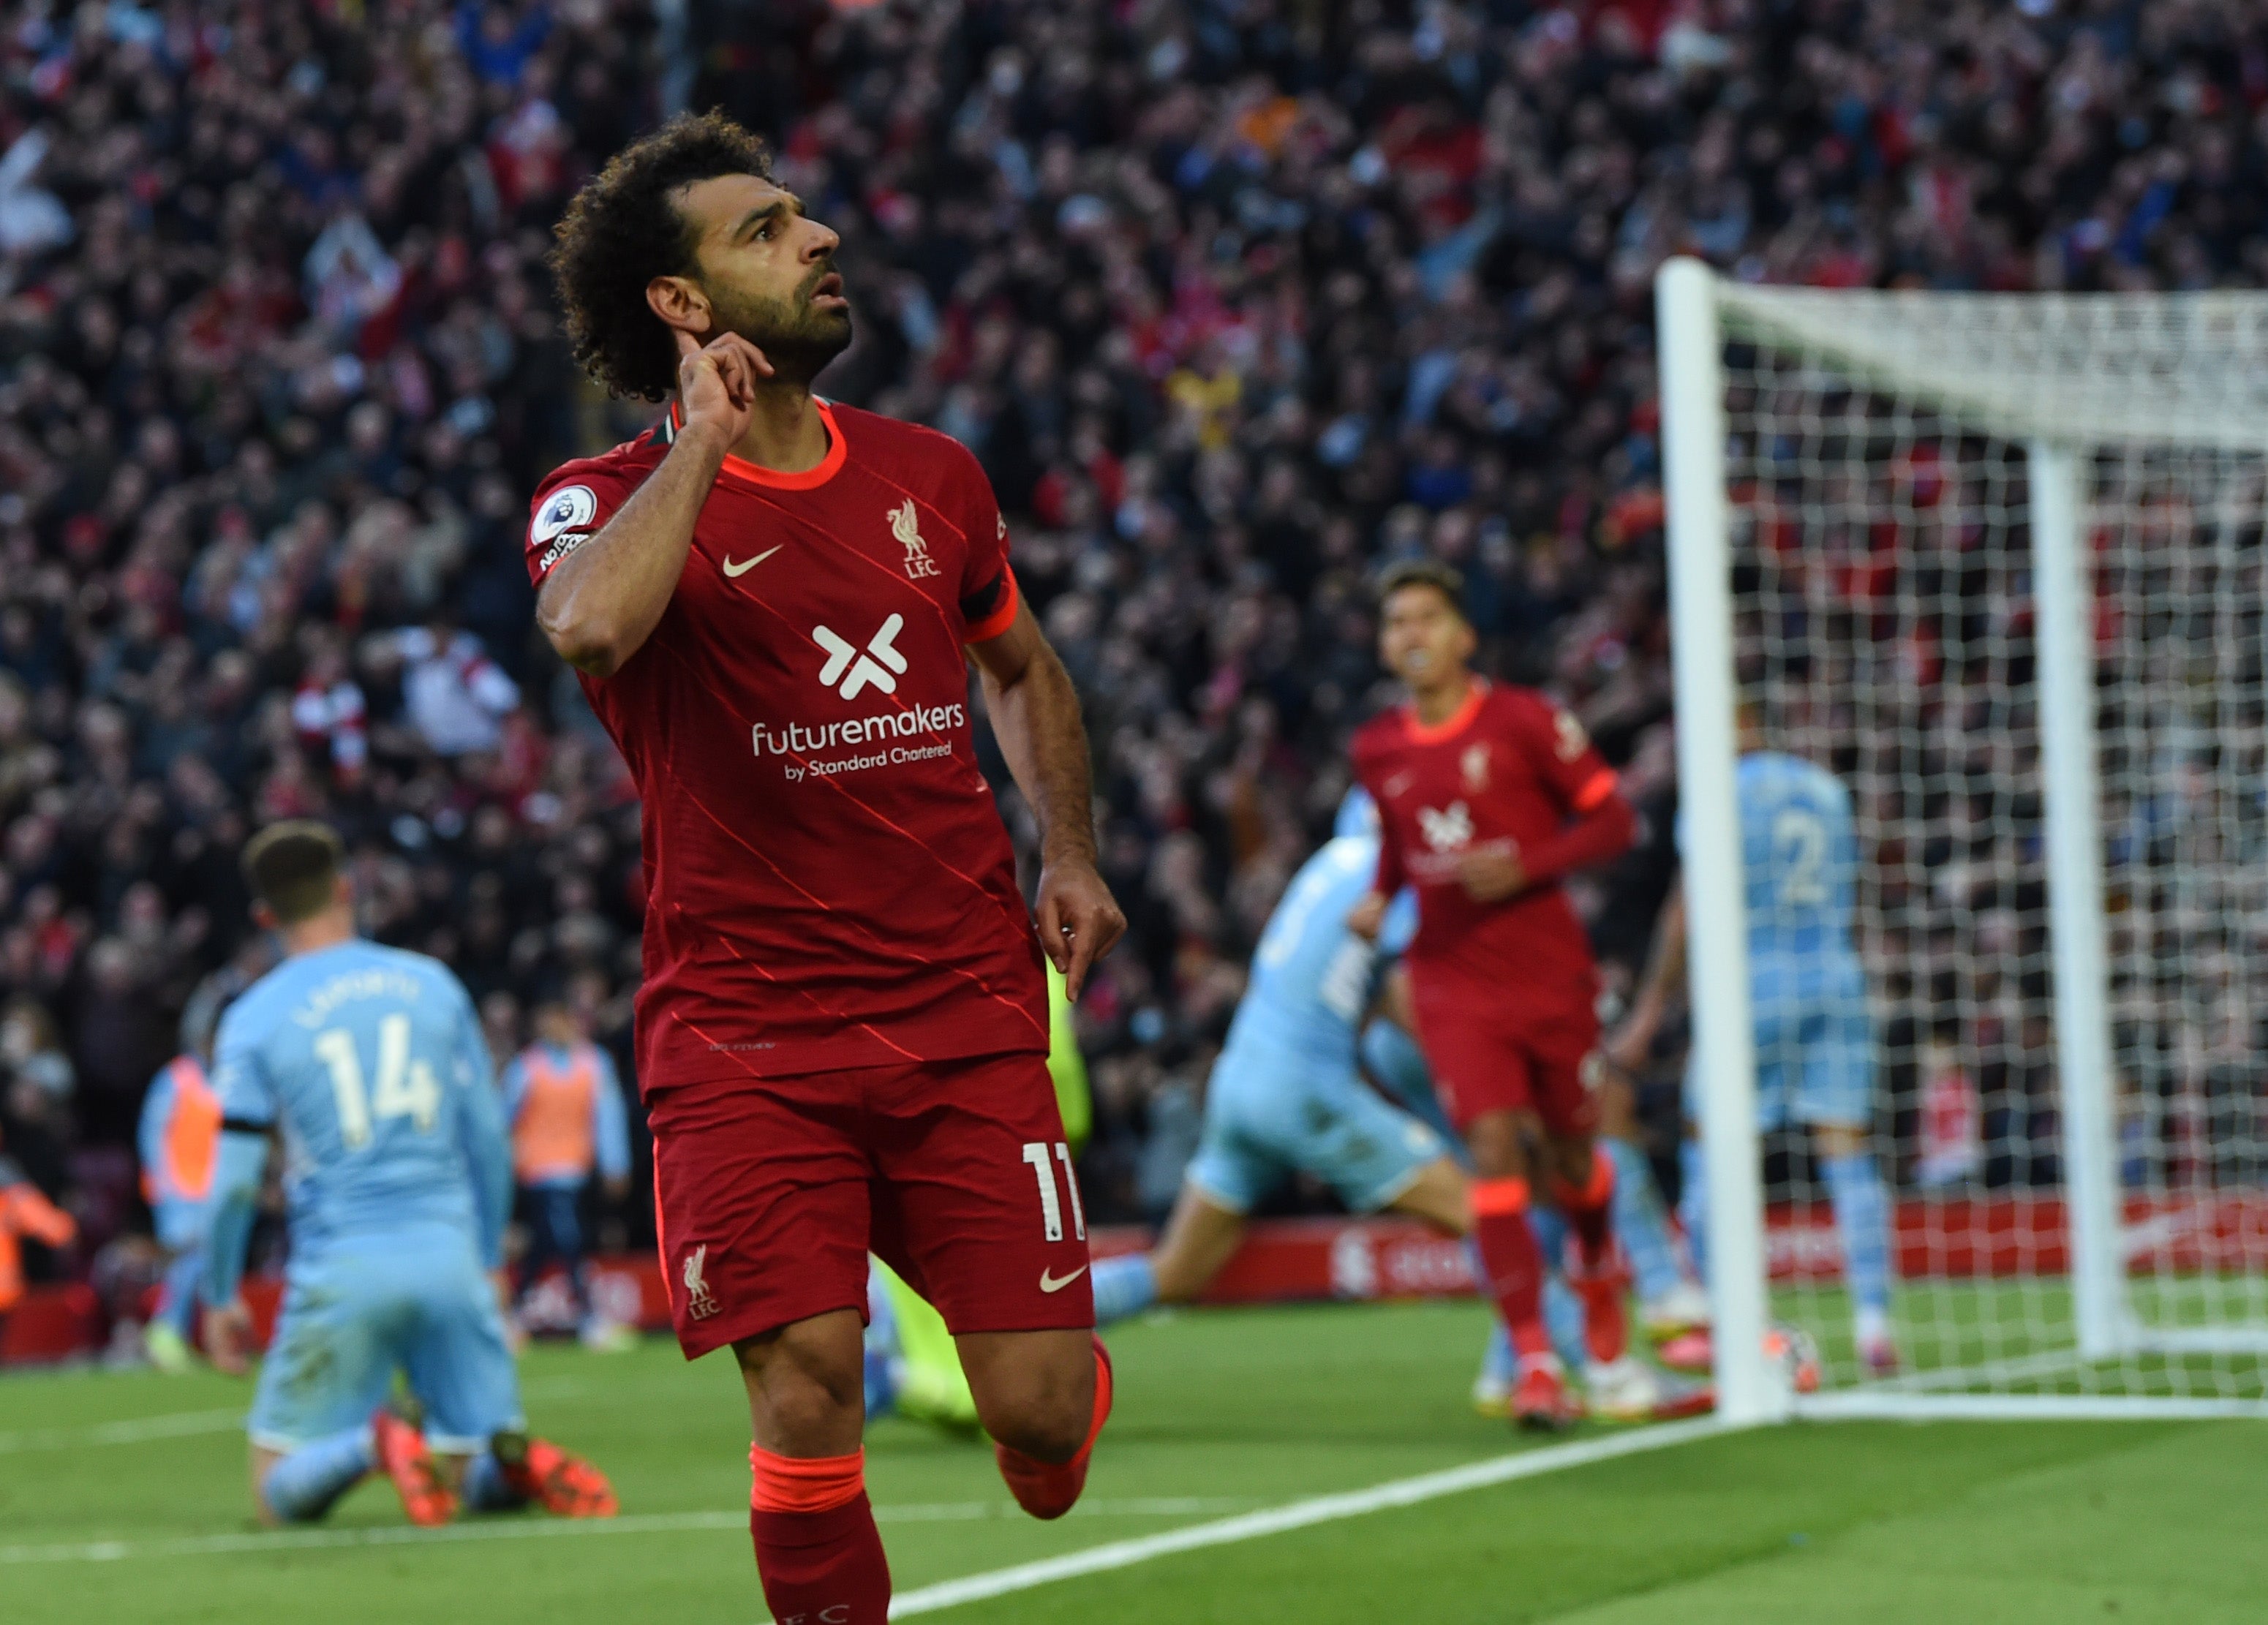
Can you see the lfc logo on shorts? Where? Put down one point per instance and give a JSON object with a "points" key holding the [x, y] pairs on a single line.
{"points": [[700, 1302]]}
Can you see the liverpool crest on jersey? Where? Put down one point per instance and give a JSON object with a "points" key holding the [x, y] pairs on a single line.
{"points": [[905, 526], [1475, 763]]}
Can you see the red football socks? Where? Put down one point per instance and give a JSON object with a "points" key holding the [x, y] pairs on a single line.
{"points": [[818, 1552], [1047, 1489], [1514, 1263], [1589, 1211]]}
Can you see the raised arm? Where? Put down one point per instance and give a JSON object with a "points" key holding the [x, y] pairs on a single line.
{"points": [[601, 601], [1034, 712]]}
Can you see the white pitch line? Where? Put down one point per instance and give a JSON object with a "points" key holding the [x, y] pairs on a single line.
{"points": [[531, 1528], [1301, 1515], [189, 1423], [1910, 1407], [176, 1424]]}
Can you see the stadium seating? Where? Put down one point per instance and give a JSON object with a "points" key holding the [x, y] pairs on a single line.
{"points": [[1235, 302]]}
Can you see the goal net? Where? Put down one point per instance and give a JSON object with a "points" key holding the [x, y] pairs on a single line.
{"points": [[1998, 563]]}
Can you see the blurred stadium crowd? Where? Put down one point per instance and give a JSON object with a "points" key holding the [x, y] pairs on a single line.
{"points": [[1234, 298]]}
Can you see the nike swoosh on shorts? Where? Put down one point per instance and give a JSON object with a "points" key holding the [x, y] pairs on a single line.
{"points": [[1048, 1283]]}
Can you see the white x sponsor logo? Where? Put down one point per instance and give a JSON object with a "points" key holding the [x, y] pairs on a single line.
{"points": [[866, 670], [1447, 829]]}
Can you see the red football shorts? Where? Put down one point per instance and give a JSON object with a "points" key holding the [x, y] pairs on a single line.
{"points": [[769, 1194], [1489, 1054]]}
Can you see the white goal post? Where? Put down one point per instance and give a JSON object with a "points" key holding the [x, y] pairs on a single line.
{"points": [[2001, 564]]}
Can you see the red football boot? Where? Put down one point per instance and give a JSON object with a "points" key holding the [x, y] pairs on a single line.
{"points": [[1542, 1402], [1047, 1489], [563, 1485], [426, 1497], [1606, 1311]]}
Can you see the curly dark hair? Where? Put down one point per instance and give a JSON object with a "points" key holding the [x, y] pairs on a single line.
{"points": [[623, 230]]}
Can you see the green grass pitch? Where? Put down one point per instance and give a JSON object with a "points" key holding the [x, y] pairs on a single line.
{"points": [[123, 1499]]}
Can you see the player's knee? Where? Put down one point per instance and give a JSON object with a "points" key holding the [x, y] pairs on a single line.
{"points": [[1571, 1158], [1049, 1427], [1498, 1150], [260, 1465], [805, 1386], [1043, 1406]]}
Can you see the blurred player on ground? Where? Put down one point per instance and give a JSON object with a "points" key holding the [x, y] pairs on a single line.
{"points": [[842, 1029], [564, 1104], [179, 1137], [1487, 795], [1287, 1096], [1815, 1037], [370, 1063]]}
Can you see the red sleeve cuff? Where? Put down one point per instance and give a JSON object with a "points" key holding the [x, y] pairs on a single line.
{"points": [[1600, 785], [1003, 616]]}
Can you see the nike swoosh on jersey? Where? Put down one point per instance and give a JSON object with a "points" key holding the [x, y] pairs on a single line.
{"points": [[1048, 1283], [745, 565]]}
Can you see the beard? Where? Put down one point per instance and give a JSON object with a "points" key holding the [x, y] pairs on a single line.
{"points": [[797, 337]]}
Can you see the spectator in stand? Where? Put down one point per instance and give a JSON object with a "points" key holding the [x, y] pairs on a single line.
{"points": [[1233, 312], [453, 694], [29, 1048], [563, 1104]]}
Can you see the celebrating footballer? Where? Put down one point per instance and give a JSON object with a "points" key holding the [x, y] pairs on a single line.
{"points": [[843, 1031]]}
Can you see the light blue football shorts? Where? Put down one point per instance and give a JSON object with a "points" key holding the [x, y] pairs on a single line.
{"points": [[1269, 1116], [361, 1309]]}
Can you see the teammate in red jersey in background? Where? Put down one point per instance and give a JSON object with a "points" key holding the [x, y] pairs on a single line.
{"points": [[843, 1031], [1487, 795]]}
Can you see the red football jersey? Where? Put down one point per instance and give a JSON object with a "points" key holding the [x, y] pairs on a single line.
{"points": [[1509, 770], [829, 883]]}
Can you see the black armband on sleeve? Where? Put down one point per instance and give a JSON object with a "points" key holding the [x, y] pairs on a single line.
{"points": [[980, 605]]}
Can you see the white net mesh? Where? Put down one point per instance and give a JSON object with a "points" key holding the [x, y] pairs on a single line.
{"points": [[1884, 623]]}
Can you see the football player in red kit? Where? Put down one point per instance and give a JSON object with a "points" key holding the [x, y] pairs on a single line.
{"points": [[1487, 795], [842, 1029]]}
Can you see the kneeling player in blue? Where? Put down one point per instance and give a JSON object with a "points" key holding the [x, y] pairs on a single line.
{"points": [[1814, 1039], [369, 1064], [1287, 1096]]}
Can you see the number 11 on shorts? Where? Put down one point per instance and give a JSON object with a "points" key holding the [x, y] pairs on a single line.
{"points": [[1035, 1153]]}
